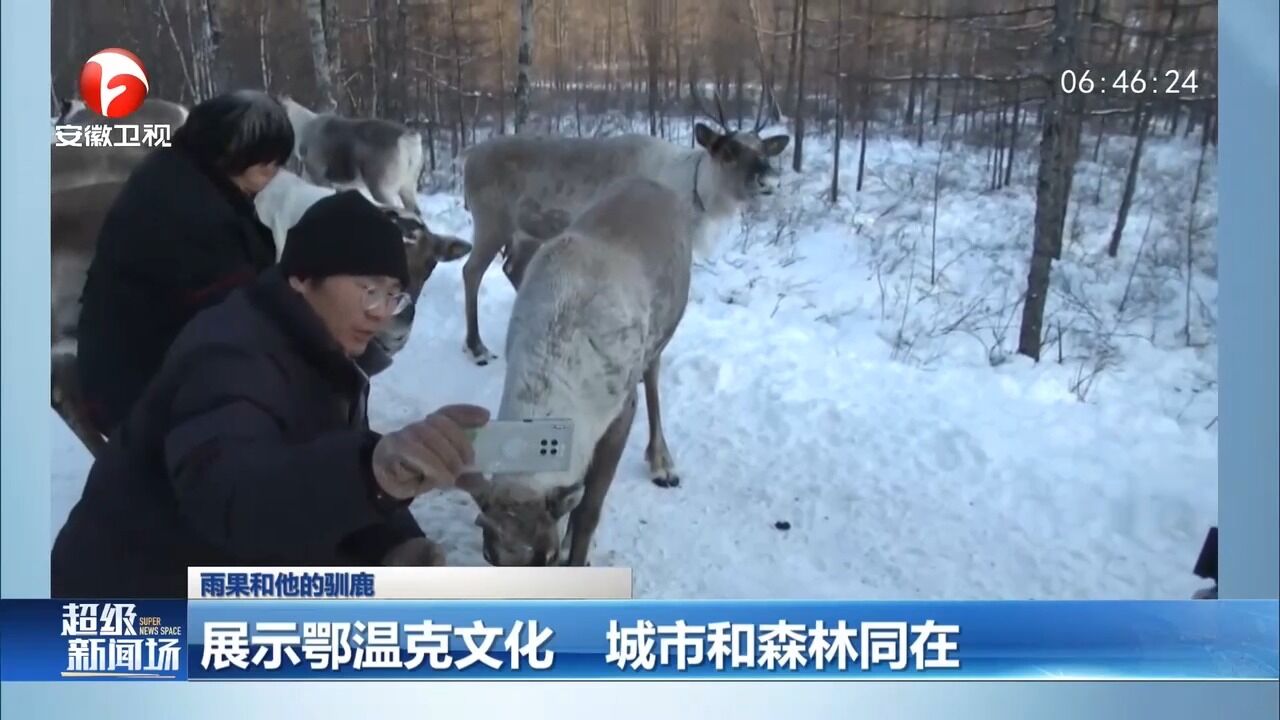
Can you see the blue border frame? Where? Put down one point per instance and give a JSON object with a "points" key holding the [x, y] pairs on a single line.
{"points": [[1249, 255], [1250, 559]]}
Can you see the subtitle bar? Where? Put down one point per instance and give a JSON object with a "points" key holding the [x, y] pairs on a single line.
{"points": [[409, 583]]}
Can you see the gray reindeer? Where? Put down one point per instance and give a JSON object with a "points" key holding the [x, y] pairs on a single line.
{"points": [[521, 191], [381, 156], [598, 304]]}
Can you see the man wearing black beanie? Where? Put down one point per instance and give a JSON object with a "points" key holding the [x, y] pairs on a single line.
{"points": [[252, 444]]}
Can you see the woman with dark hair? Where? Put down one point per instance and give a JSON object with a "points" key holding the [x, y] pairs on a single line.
{"points": [[180, 236], [252, 445]]}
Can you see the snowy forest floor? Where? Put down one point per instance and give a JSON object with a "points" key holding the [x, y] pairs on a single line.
{"points": [[851, 370]]}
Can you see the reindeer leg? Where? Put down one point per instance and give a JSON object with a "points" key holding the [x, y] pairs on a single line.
{"points": [[486, 242], [410, 198], [661, 466], [386, 197], [604, 464]]}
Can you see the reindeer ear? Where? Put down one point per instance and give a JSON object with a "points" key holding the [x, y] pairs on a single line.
{"points": [[775, 145], [410, 227], [452, 249], [705, 136], [563, 499]]}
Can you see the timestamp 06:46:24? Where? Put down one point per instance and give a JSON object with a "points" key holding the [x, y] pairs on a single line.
{"points": [[1170, 82]]}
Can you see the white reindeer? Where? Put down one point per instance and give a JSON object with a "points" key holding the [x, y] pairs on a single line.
{"points": [[340, 152], [523, 190], [597, 306], [282, 202]]}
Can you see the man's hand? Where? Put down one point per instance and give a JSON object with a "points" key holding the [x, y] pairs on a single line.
{"points": [[427, 454], [415, 552]]}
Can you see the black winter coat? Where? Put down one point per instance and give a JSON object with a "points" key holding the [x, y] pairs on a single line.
{"points": [[250, 447], [179, 237]]}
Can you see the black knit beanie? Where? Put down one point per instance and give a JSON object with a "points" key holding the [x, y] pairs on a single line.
{"points": [[344, 234]]}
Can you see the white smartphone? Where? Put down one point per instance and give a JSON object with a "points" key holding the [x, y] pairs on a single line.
{"points": [[504, 447]]}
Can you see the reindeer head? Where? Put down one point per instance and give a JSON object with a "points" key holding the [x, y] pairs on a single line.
{"points": [[741, 157], [522, 525], [424, 249]]}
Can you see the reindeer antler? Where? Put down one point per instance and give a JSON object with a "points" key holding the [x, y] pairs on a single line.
{"points": [[718, 117], [700, 103]]}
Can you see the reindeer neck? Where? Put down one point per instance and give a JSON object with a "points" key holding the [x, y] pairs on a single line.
{"points": [[703, 184], [538, 386]]}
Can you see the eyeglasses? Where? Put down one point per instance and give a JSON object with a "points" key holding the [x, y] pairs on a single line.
{"points": [[375, 298]]}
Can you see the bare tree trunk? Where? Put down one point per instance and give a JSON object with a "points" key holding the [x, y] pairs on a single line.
{"points": [[470, 59], [942, 67], [1130, 183], [740, 92], [972, 104], [557, 70], [577, 92], [182, 56], [1013, 131], [333, 45], [1191, 232], [997, 149], [1142, 115], [219, 72], [320, 55], [767, 65], [797, 157], [791, 62], [524, 58], [775, 47], [372, 49], [381, 70], [399, 73], [461, 141], [264, 18], [1058, 149], [651, 48], [609, 61], [1097, 141], [632, 61], [864, 103], [199, 70], [839, 115], [675, 49], [915, 71], [502, 69], [557, 75], [924, 84], [437, 118]]}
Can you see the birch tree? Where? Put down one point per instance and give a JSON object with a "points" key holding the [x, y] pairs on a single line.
{"points": [[320, 54]]}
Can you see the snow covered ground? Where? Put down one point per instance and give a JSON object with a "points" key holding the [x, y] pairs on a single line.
{"points": [[821, 379]]}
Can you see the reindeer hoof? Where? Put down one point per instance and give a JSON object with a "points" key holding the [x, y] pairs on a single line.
{"points": [[667, 481], [480, 356]]}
